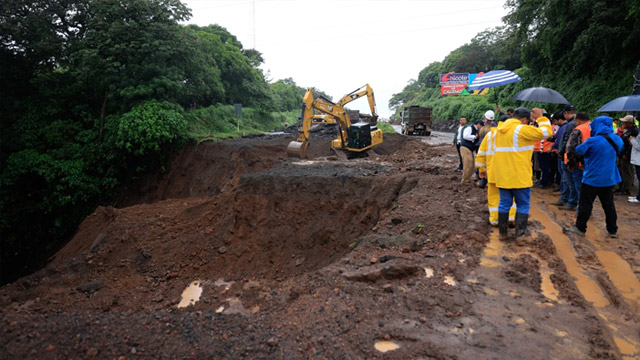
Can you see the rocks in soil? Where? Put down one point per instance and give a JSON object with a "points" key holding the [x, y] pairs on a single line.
{"points": [[398, 271], [91, 287], [97, 242], [389, 272]]}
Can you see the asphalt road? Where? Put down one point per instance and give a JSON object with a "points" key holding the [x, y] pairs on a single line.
{"points": [[436, 137]]}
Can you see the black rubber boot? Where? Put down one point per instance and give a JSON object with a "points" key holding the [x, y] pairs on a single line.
{"points": [[503, 225], [521, 224]]}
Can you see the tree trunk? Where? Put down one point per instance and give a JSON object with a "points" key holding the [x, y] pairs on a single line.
{"points": [[102, 112], [636, 84]]}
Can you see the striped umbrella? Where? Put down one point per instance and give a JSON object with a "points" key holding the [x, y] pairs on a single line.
{"points": [[494, 78]]}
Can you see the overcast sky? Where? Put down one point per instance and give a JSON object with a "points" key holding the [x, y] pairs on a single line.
{"points": [[340, 45]]}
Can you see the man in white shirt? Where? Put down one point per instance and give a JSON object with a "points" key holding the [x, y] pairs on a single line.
{"points": [[456, 140], [467, 147]]}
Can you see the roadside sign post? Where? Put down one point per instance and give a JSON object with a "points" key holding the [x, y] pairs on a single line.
{"points": [[238, 112]]}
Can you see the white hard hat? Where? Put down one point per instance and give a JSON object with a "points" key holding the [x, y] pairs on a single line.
{"points": [[490, 115]]}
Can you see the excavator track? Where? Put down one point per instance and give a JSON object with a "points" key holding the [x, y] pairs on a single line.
{"points": [[340, 154]]}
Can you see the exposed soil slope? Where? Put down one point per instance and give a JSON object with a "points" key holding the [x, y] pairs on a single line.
{"points": [[320, 259]]}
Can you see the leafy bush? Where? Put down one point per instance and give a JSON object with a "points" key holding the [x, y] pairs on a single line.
{"points": [[147, 127], [386, 128]]}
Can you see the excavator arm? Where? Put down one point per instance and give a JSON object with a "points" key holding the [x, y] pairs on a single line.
{"points": [[358, 93], [330, 113]]}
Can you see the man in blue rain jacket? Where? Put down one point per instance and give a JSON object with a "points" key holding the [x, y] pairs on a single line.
{"points": [[600, 175]]}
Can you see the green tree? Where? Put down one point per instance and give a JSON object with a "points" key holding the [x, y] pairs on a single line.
{"points": [[242, 81], [585, 49], [254, 56], [71, 66], [287, 95], [131, 52]]}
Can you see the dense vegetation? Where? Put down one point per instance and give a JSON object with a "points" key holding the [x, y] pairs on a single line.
{"points": [[587, 50], [96, 93]]}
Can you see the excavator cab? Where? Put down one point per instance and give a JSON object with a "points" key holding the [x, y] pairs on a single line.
{"points": [[359, 135]]}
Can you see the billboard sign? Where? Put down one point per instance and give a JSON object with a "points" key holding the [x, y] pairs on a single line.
{"points": [[453, 83], [454, 89], [452, 78]]}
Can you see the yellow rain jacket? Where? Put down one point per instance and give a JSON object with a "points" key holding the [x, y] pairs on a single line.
{"points": [[484, 163], [513, 150], [484, 159]]}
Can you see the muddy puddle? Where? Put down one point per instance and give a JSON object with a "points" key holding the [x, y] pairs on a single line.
{"points": [[587, 286], [386, 346], [621, 328], [191, 294], [618, 271], [494, 256]]}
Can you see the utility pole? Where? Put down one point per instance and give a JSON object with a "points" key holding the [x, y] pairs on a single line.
{"points": [[253, 3]]}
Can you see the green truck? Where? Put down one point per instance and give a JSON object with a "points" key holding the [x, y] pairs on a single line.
{"points": [[416, 120]]}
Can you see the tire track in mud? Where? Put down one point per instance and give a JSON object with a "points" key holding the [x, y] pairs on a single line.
{"points": [[603, 277], [544, 302]]}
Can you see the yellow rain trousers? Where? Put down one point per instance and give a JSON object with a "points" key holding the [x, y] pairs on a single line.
{"points": [[514, 144], [484, 163]]}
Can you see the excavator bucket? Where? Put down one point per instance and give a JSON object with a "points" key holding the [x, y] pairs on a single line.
{"points": [[298, 149]]}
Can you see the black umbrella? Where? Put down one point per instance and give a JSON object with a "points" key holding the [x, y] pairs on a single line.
{"points": [[541, 94], [625, 103]]}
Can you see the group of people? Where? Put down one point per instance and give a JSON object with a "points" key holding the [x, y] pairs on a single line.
{"points": [[585, 159]]}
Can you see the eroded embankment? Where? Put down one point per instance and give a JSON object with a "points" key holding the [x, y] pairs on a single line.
{"points": [[294, 218]]}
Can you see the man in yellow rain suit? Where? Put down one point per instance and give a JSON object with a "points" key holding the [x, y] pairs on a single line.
{"points": [[514, 142], [484, 163]]}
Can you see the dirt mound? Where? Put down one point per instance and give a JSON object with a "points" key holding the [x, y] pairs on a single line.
{"points": [[291, 219], [211, 168], [207, 169], [449, 125], [286, 258], [391, 144], [402, 149], [284, 226]]}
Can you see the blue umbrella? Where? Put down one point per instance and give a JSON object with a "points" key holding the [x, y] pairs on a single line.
{"points": [[494, 78], [625, 103], [541, 94]]}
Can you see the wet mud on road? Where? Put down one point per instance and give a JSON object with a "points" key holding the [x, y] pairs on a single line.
{"points": [[240, 252]]}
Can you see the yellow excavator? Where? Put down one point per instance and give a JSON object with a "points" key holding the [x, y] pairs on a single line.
{"points": [[353, 138]]}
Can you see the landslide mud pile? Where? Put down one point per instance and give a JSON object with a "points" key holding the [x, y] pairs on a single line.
{"points": [[231, 210], [274, 257]]}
